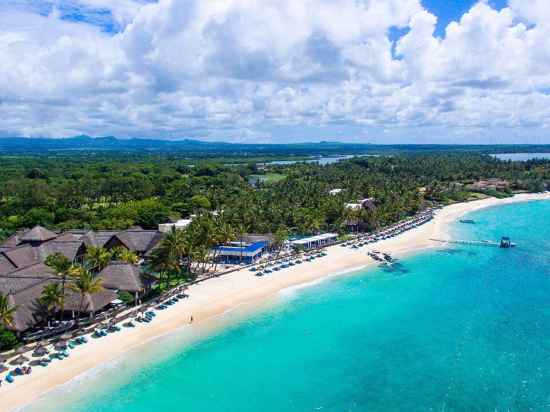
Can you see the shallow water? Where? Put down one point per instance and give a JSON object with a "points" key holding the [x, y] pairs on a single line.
{"points": [[464, 329]]}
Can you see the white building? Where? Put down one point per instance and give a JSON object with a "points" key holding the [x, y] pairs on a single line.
{"points": [[334, 192], [367, 203], [315, 241], [180, 224]]}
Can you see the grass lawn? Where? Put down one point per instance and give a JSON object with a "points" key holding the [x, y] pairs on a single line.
{"points": [[269, 177]]}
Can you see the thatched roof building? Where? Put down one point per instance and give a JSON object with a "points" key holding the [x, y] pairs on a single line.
{"points": [[126, 277]]}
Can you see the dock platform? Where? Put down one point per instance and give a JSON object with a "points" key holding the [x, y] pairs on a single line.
{"points": [[491, 243]]}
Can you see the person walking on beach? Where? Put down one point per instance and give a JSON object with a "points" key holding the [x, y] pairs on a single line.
{"points": [[191, 319]]}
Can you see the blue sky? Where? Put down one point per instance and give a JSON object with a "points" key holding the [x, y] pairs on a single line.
{"points": [[452, 10], [277, 70]]}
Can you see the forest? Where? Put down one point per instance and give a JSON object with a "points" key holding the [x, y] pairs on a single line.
{"points": [[118, 191]]}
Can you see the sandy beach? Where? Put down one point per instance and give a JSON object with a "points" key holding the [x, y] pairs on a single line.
{"points": [[218, 295]]}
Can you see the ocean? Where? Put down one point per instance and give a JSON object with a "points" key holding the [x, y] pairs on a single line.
{"points": [[461, 329]]}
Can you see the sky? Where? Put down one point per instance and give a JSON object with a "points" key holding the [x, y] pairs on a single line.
{"points": [[277, 71]]}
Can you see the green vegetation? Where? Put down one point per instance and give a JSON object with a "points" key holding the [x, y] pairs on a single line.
{"points": [[227, 198], [85, 191], [7, 311], [268, 178], [8, 340]]}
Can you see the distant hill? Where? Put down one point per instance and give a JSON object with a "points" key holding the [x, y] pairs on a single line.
{"points": [[22, 145]]}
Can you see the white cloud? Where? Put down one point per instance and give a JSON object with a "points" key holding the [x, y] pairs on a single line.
{"points": [[241, 69]]}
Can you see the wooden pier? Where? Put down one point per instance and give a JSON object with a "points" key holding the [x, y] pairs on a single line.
{"points": [[504, 243]]}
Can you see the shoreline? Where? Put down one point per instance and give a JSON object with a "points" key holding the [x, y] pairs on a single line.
{"points": [[241, 289]]}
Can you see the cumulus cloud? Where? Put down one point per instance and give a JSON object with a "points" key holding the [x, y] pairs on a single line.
{"points": [[251, 69]]}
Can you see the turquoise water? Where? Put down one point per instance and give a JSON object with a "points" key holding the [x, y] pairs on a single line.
{"points": [[465, 329]]}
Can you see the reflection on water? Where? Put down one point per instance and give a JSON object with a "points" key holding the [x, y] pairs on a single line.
{"points": [[325, 160]]}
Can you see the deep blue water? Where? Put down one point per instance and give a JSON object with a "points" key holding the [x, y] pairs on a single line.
{"points": [[464, 329]]}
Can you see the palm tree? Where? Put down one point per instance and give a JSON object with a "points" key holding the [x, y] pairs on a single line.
{"points": [[84, 283], [224, 233], [281, 235], [7, 311], [61, 265], [241, 230], [125, 255], [163, 262], [52, 298], [97, 258]]}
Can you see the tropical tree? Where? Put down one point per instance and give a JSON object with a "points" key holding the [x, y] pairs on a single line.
{"points": [[163, 261], [97, 258], [224, 233], [7, 311], [124, 255], [241, 230], [62, 266], [279, 238], [52, 298], [84, 283]]}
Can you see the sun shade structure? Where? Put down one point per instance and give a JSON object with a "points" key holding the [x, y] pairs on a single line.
{"points": [[315, 241], [40, 351], [20, 360]]}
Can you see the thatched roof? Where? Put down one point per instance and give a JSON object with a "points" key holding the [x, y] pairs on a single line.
{"points": [[23, 288], [6, 265], [68, 248], [99, 238], [12, 241], [23, 278], [23, 255], [138, 240], [91, 303], [37, 234], [122, 276], [68, 237]]}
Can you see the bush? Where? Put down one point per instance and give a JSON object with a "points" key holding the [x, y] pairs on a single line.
{"points": [[8, 340], [126, 297]]}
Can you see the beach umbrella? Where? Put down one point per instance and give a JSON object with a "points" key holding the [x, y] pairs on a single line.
{"points": [[21, 350], [35, 362], [40, 351], [19, 360], [60, 345]]}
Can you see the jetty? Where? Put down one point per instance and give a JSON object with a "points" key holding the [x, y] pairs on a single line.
{"points": [[504, 243]]}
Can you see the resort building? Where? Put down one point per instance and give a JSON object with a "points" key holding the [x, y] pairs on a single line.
{"points": [[180, 224], [367, 203], [121, 276], [313, 242], [139, 241], [240, 252], [24, 274], [490, 184], [23, 287]]}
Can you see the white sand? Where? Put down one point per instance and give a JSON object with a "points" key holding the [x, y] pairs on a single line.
{"points": [[215, 296]]}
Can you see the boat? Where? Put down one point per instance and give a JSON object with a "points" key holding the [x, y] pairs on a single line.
{"points": [[469, 221]]}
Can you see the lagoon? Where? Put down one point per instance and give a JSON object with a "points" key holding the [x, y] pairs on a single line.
{"points": [[521, 157]]}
